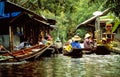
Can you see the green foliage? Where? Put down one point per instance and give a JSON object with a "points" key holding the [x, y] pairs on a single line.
{"points": [[117, 23], [67, 13], [82, 32], [112, 19], [114, 5]]}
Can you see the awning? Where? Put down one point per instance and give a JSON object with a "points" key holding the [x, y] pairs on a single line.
{"points": [[89, 21], [8, 14]]}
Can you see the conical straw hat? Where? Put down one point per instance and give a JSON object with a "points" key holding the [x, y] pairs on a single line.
{"points": [[76, 38], [87, 35]]}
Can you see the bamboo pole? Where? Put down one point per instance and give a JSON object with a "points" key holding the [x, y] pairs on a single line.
{"points": [[11, 38]]}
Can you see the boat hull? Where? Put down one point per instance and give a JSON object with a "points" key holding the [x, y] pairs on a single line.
{"points": [[73, 53], [27, 54], [102, 50]]}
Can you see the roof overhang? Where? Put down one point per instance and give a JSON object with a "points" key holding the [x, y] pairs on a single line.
{"points": [[92, 19], [12, 7]]}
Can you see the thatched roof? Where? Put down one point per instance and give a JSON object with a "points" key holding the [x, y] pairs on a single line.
{"points": [[91, 21]]}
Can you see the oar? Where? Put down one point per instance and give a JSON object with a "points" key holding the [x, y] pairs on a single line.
{"points": [[11, 54]]}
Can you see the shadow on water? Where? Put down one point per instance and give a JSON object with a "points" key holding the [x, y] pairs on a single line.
{"points": [[63, 66]]}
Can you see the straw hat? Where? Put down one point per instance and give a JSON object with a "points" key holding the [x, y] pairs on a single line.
{"points": [[87, 35], [70, 40], [58, 39], [104, 39], [76, 38], [110, 25]]}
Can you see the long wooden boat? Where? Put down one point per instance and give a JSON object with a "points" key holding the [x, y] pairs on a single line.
{"points": [[102, 50], [3, 52], [25, 54], [115, 50], [77, 52], [108, 48]]}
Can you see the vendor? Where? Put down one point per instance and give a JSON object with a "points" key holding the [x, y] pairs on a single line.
{"points": [[58, 44], [108, 34], [67, 47], [76, 42], [108, 28], [88, 42]]}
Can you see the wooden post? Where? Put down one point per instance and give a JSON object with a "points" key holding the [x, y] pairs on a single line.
{"points": [[11, 38]]}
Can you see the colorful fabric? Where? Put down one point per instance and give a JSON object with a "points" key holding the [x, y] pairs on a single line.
{"points": [[68, 48], [76, 44], [88, 43]]}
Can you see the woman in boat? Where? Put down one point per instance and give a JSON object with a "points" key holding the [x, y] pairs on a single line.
{"points": [[75, 43], [24, 44], [73, 49], [58, 45], [88, 42], [48, 40], [67, 47]]}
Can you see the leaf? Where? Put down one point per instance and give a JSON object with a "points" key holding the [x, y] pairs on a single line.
{"points": [[117, 23]]}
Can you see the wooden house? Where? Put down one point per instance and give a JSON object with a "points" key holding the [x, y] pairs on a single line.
{"points": [[90, 24], [17, 23]]}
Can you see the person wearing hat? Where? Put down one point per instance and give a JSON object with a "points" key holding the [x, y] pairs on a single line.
{"points": [[67, 47], [88, 43], [58, 44], [75, 43], [104, 40]]}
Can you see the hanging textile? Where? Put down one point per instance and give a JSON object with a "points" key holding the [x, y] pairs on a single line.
{"points": [[2, 8]]}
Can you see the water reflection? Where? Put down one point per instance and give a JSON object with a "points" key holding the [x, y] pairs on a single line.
{"points": [[63, 66]]}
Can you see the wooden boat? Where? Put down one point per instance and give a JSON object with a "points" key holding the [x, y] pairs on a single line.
{"points": [[26, 54], [115, 50], [5, 58], [73, 53], [102, 50], [3, 52], [77, 52], [114, 47], [108, 45]]}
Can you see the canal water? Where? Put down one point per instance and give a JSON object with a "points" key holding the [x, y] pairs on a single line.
{"points": [[63, 66]]}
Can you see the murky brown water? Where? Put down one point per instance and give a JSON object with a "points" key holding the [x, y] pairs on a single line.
{"points": [[63, 66]]}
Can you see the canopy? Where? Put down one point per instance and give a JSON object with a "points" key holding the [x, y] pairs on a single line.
{"points": [[6, 15]]}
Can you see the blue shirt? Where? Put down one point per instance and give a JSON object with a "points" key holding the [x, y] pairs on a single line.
{"points": [[76, 45]]}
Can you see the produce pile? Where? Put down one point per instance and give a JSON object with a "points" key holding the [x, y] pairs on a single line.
{"points": [[4, 57], [114, 43]]}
